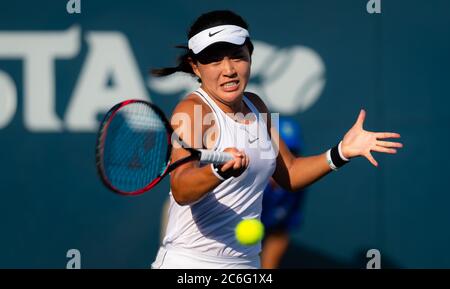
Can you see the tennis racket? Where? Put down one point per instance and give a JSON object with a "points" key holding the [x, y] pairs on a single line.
{"points": [[134, 145]]}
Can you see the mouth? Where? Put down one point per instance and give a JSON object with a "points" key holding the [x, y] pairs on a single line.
{"points": [[231, 85]]}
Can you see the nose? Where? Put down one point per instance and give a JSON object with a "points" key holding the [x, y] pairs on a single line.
{"points": [[228, 67]]}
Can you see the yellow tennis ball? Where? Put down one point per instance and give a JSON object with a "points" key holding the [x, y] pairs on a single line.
{"points": [[249, 232]]}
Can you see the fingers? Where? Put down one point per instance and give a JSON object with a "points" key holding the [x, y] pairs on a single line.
{"points": [[387, 135], [389, 144], [239, 163], [384, 147], [226, 166], [235, 152], [384, 150], [361, 118], [235, 162], [371, 159]]}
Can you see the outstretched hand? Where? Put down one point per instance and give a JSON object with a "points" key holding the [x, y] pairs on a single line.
{"points": [[360, 142]]}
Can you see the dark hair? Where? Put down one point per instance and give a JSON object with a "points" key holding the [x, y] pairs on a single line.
{"points": [[205, 21]]}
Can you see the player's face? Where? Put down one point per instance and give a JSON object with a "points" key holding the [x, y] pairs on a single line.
{"points": [[225, 72]]}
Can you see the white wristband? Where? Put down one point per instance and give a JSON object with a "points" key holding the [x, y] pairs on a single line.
{"points": [[335, 158], [340, 152], [216, 173], [330, 162]]}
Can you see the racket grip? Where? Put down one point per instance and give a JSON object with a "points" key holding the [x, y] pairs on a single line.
{"points": [[214, 157]]}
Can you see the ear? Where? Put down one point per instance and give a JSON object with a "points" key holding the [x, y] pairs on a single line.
{"points": [[194, 66]]}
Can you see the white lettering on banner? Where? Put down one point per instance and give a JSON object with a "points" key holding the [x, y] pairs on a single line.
{"points": [[290, 80], [8, 99], [109, 57], [39, 51]]}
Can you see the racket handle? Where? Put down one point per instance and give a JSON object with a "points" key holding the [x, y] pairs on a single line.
{"points": [[214, 157]]}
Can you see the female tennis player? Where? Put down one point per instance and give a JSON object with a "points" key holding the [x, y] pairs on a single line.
{"points": [[208, 201]]}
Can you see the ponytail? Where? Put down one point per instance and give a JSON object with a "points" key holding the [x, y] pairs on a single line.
{"points": [[183, 64]]}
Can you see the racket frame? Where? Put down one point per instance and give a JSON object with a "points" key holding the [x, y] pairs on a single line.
{"points": [[101, 137]]}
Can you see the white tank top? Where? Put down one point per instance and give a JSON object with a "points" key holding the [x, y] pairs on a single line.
{"points": [[207, 226]]}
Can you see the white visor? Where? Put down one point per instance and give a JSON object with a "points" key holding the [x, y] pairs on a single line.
{"points": [[223, 33]]}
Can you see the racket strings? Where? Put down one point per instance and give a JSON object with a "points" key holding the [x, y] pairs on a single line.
{"points": [[135, 147]]}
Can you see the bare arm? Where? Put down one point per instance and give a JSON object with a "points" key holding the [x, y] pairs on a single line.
{"points": [[191, 181], [293, 173]]}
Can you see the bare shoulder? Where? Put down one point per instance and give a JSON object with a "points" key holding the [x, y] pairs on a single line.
{"points": [[188, 112], [187, 105], [257, 101], [262, 108]]}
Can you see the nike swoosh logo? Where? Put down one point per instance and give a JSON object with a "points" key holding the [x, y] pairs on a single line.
{"points": [[212, 34], [252, 141]]}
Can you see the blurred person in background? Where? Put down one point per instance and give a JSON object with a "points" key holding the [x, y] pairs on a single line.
{"points": [[282, 209]]}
